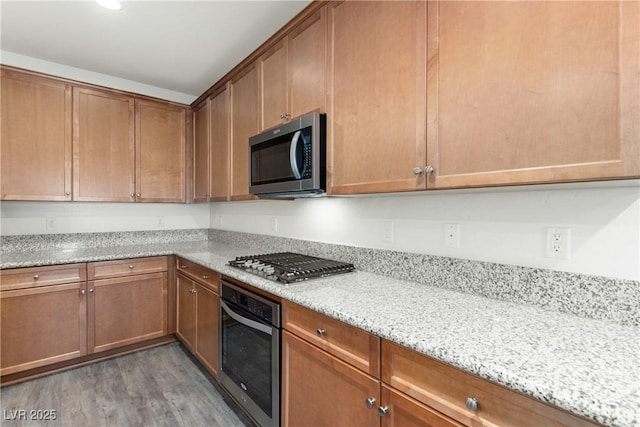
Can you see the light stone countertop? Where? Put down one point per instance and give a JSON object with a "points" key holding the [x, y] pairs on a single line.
{"points": [[588, 367]]}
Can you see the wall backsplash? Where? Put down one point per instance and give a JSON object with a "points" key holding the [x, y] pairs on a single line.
{"points": [[19, 218], [501, 225]]}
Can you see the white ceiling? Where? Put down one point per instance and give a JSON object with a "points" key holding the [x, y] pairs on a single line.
{"points": [[183, 46]]}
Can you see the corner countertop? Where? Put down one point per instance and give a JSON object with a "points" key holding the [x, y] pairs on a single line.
{"points": [[588, 367]]}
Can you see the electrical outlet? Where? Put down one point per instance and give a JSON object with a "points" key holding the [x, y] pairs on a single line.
{"points": [[220, 221], [274, 224], [51, 223], [160, 222], [388, 232], [452, 235], [558, 242]]}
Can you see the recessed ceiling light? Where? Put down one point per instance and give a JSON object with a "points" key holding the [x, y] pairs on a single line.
{"points": [[110, 4]]}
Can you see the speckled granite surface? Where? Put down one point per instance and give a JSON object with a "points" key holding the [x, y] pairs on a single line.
{"points": [[588, 366], [588, 296], [46, 242]]}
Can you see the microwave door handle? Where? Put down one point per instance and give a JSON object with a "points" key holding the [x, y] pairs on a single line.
{"points": [[247, 322], [293, 155]]}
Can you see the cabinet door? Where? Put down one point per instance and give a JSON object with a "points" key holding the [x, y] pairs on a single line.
{"points": [[320, 390], [376, 132], [206, 327], [219, 128], [103, 146], [201, 142], [42, 325], [245, 122], [402, 411], [160, 152], [36, 138], [528, 92], [185, 311], [307, 62], [126, 310], [273, 71]]}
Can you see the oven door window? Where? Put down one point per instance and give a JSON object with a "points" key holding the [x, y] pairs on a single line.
{"points": [[285, 158], [246, 353]]}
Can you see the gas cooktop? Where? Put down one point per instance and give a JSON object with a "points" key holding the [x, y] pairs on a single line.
{"points": [[290, 267]]}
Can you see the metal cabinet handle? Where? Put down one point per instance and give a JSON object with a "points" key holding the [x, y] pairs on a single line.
{"points": [[320, 332], [471, 403], [370, 402], [36, 276], [131, 266], [137, 194], [82, 292], [184, 266], [383, 410], [427, 170], [204, 276], [133, 195], [67, 193], [90, 290]]}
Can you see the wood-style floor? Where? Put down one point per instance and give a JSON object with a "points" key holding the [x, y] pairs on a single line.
{"points": [[161, 386]]}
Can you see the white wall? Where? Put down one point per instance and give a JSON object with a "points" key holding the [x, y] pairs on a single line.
{"points": [[86, 76], [68, 217], [504, 225]]}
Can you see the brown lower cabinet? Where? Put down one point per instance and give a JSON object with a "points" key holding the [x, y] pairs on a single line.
{"points": [[41, 326], [54, 314], [329, 378], [198, 312], [321, 390]]}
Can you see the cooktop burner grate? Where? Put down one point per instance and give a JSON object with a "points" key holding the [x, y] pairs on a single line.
{"points": [[290, 267]]}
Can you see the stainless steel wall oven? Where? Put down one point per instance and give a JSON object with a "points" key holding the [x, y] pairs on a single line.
{"points": [[250, 352]]}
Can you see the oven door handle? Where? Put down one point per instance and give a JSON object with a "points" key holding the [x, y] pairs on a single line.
{"points": [[247, 322]]}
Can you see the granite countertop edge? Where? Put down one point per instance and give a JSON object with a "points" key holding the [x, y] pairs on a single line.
{"points": [[584, 366]]}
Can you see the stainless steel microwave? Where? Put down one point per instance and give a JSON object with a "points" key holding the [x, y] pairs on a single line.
{"points": [[289, 160]]}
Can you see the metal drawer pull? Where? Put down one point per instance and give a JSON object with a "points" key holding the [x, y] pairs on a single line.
{"points": [[371, 401], [36, 276], [320, 332], [82, 292], [204, 276], [184, 267], [90, 290], [383, 410], [472, 403], [131, 266]]}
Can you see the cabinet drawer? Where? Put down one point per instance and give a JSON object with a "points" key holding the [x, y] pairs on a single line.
{"points": [[446, 389], [21, 278], [350, 344], [126, 267], [199, 273]]}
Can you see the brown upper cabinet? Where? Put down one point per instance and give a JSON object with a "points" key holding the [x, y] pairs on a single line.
{"points": [[501, 93], [127, 149], [293, 72], [103, 146], [160, 152], [67, 141], [220, 140], [532, 92], [245, 122], [211, 148], [36, 137], [201, 159], [376, 116]]}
